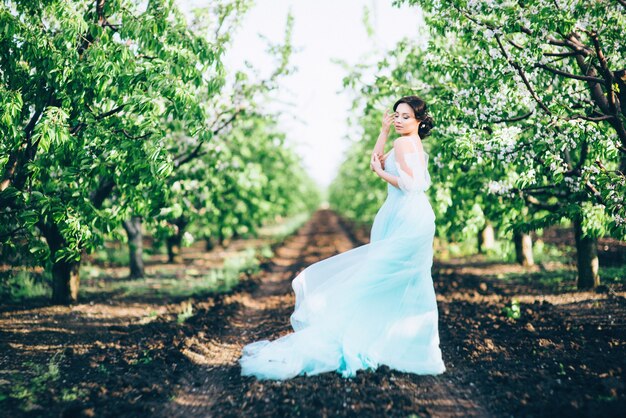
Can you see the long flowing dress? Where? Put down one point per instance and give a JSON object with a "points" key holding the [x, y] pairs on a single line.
{"points": [[369, 306]]}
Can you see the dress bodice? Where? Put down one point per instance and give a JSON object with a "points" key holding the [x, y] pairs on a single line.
{"points": [[420, 169]]}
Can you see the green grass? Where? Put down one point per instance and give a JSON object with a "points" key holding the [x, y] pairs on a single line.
{"points": [[546, 252], [72, 394], [185, 313], [279, 231], [193, 283], [29, 386], [612, 275], [32, 385], [512, 310], [504, 251], [457, 249], [115, 256], [216, 280], [560, 279], [19, 285], [563, 279], [143, 358]]}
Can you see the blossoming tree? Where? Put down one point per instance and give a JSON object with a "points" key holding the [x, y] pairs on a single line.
{"points": [[527, 103], [554, 72]]}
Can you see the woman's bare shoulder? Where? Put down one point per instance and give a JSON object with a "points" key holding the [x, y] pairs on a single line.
{"points": [[406, 144], [406, 139], [403, 143]]}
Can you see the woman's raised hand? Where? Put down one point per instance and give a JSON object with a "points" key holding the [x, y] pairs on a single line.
{"points": [[387, 120]]}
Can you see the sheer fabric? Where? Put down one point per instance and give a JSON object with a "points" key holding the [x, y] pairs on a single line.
{"points": [[372, 305], [417, 178]]}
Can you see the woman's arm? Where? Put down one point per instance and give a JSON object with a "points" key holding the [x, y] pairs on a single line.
{"points": [[408, 170], [389, 178], [379, 148], [376, 167]]}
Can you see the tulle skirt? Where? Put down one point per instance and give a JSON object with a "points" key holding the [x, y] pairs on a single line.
{"points": [[372, 305]]}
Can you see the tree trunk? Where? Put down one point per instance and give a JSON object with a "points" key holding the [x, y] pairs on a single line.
{"points": [[486, 238], [222, 240], [174, 242], [132, 227], [523, 248], [66, 281], [173, 249], [209, 243], [587, 258], [65, 274]]}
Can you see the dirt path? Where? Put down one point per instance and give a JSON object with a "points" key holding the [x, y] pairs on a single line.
{"points": [[132, 356], [216, 388]]}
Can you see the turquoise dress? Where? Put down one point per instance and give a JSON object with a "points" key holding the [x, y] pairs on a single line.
{"points": [[372, 305]]}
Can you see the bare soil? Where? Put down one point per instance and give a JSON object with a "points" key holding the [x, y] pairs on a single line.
{"points": [[564, 356]]}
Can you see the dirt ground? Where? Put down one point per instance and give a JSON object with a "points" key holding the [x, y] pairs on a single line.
{"points": [[564, 356]]}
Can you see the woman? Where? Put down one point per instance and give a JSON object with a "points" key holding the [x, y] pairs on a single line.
{"points": [[374, 304]]}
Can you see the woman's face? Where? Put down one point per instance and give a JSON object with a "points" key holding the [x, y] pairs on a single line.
{"points": [[404, 120]]}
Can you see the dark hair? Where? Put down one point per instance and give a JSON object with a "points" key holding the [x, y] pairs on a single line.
{"points": [[421, 113]]}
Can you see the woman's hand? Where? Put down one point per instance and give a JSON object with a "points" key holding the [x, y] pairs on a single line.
{"points": [[375, 163], [387, 120], [382, 158]]}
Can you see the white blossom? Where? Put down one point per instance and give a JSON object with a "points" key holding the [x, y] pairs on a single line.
{"points": [[494, 52], [497, 187], [188, 239]]}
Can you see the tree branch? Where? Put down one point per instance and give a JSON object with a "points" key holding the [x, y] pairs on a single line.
{"points": [[129, 136], [515, 119], [590, 118], [606, 72], [11, 233], [595, 192], [522, 74], [516, 45], [576, 46], [110, 112], [88, 39], [14, 157], [562, 54], [544, 190], [185, 158], [102, 192], [584, 149], [533, 201], [569, 75]]}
